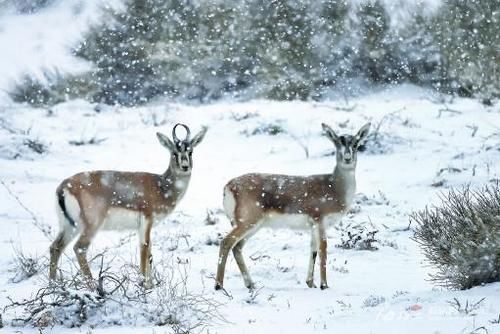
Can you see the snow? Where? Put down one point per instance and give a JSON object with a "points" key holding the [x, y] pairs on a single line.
{"points": [[370, 291], [41, 44], [424, 138]]}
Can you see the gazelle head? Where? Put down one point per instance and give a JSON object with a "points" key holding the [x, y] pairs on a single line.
{"points": [[347, 145], [181, 158]]}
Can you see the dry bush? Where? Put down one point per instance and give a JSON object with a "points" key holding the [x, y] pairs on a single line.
{"points": [[271, 129], [118, 300], [359, 236], [20, 143], [382, 140], [25, 266], [461, 237]]}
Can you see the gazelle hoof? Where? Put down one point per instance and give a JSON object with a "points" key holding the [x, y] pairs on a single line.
{"points": [[324, 286], [250, 286], [218, 286], [311, 284]]}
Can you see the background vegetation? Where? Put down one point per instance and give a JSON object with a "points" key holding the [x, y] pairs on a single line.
{"points": [[280, 49]]}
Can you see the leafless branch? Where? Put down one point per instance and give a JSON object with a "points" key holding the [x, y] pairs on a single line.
{"points": [[44, 228]]}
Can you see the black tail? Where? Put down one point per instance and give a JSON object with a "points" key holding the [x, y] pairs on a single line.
{"points": [[62, 205]]}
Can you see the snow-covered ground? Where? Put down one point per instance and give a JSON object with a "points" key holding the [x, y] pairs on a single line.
{"points": [[428, 143], [370, 291]]}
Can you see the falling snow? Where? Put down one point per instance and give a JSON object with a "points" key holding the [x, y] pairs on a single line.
{"points": [[85, 85]]}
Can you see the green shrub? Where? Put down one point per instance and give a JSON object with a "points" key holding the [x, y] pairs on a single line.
{"points": [[461, 237]]}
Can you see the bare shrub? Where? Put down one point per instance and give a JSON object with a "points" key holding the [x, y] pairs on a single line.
{"points": [[360, 237], [20, 143], [467, 308], [211, 217], [35, 145], [89, 141], [154, 118], [381, 141], [214, 240], [270, 129], [461, 237], [238, 117], [25, 266], [373, 301], [118, 300]]}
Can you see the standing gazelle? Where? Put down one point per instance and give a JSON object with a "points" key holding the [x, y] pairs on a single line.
{"points": [[117, 200], [252, 201]]}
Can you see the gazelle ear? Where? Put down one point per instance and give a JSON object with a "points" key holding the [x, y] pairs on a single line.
{"points": [[199, 136], [165, 141], [330, 134], [362, 134]]}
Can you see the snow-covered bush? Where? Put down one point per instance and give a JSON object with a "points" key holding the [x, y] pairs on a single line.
{"points": [[462, 237], [358, 236]]}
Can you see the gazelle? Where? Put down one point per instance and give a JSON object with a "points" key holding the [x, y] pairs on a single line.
{"points": [[116, 200], [253, 201]]}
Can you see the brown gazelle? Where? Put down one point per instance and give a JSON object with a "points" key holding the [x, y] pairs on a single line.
{"points": [[252, 201], [118, 200]]}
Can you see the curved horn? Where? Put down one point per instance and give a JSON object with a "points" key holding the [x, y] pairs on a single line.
{"points": [[174, 136]]}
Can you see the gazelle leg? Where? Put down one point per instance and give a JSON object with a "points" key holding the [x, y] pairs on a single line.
{"points": [[238, 256], [145, 248], [312, 257], [322, 255], [56, 248], [81, 246], [234, 237]]}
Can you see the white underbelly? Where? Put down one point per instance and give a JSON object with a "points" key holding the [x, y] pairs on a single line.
{"points": [[122, 219], [297, 221]]}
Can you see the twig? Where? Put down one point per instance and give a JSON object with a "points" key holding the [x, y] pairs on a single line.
{"points": [[299, 140], [91, 141], [44, 228], [447, 109]]}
